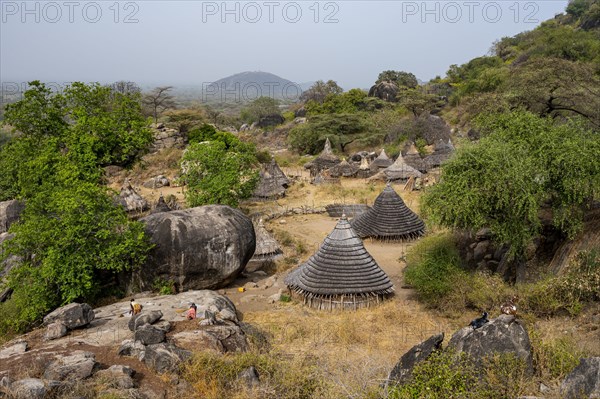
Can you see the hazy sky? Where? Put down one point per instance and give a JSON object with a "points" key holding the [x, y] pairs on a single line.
{"points": [[191, 42]]}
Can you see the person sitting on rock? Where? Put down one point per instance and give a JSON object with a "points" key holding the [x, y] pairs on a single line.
{"points": [[134, 307], [191, 313]]}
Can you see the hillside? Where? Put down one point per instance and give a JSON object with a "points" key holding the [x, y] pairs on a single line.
{"points": [[247, 86]]}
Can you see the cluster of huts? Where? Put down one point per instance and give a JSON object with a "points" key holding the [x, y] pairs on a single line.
{"points": [[328, 168]]}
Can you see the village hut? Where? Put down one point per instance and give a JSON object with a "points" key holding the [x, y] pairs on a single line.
{"points": [[442, 151], [400, 170], [414, 159], [267, 247], [340, 275], [381, 162], [324, 161], [343, 169], [273, 182], [161, 206], [364, 170], [350, 210], [389, 219], [131, 200]]}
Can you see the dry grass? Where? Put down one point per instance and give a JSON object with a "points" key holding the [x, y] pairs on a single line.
{"points": [[164, 162]]}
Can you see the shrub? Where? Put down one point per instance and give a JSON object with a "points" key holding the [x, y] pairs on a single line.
{"points": [[554, 358]]}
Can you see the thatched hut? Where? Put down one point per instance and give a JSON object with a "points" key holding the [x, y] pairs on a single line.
{"points": [[350, 210], [341, 274], [381, 162], [343, 169], [273, 182], [267, 247], [364, 170], [442, 151], [324, 161], [389, 219], [400, 170], [414, 159]]}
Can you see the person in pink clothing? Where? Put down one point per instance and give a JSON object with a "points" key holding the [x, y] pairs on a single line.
{"points": [[191, 313]]}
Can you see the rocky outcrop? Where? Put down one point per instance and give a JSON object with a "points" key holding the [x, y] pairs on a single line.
{"points": [[402, 371], [583, 381], [131, 200], [270, 120], [15, 349], [157, 182], [10, 212], [148, 334], [198, 248], [165, 137], [28, 388], [119, 376], [73, 315], [78, 366], [386, 91], [146, 317], [164, 357], [504, 334]]}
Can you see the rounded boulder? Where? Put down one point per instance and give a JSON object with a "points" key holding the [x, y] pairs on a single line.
{"points": [[199, 248]]}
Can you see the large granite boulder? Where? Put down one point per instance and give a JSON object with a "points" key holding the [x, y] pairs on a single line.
{"points": [[164, 357], [144, 318], [402, 371], [504, 334], [73, 315], [198, 248], [583, 381], [78, 366], [28, 388], [10, 212]]}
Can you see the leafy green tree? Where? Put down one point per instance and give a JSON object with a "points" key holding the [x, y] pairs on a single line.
{"points": [[216, 174], [320, 90], [522, 164], [352, 101], [341, 129], [259, 108], [400, 78]]}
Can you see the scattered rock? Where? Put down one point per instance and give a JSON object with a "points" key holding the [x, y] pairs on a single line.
{"points": [[249, 376], [10, 212], [198, 248], [139, 320], [129, 347], [16, 349], [504, 334], [28, 388], [480, 250], [55, 330], [198, 340], [118, 376], [583, 381], [164, 356], [131, 200], [231, 337], [77, 366], [148, 334], [73, 315], [402, 371], [157, 182], [483, 234], [163, 325]]}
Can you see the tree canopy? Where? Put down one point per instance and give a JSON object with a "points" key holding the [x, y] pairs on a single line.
{"points": [[400, 78], [319, 91], [522, 165], [259, 108]]}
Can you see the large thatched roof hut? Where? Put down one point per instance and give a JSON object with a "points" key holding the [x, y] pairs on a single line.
{"points": [[341, 274], [400, 170], [381, 162], [343, 169], [389, 219], [325, 160], [267, 247], [272, 183]]}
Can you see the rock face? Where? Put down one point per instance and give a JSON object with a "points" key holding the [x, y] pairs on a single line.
{"points": [[402, 372], [504, 334], [16, 349], [10, 212], [28, 388], [386, 91], [157, 182], [165, 137], [164, 357], [144, 318], [73, 315], [149, 335], [55, 330], [198, 248], [131, 200], [119, 376], [583, 381]]}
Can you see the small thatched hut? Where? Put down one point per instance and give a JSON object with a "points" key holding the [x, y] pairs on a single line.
{"points": [[364, 170], [389, 219], [442, 151], [324, 161], [273, 182], [267, 247], [343, 169], [341, 274], [414, 159], [381, 162], [350, 210], [400, 170]]}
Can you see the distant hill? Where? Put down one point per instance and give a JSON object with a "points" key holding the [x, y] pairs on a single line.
{"points": [[247, 86]]}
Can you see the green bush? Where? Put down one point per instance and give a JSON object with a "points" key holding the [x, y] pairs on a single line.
{"points": [[433, 267], [555, 358]]}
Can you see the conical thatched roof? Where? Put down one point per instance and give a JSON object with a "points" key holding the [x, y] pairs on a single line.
{"points": [[341, 274], [442, 151], [350, 210], [131, 200], [325, 160], [343, 169], [389, 219], [161, 206], [272, 183], [267, 247], [382, 161], [413, 158], [400, 170]]}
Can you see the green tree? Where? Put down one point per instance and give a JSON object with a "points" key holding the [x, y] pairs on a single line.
{"points": [[259, 108], [319, 91], [216, 173], [400, 78], [522, 164]]}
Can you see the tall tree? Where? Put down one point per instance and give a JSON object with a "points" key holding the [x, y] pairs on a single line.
{"points": [[319, 91], [400, 78], [159, 100]]}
